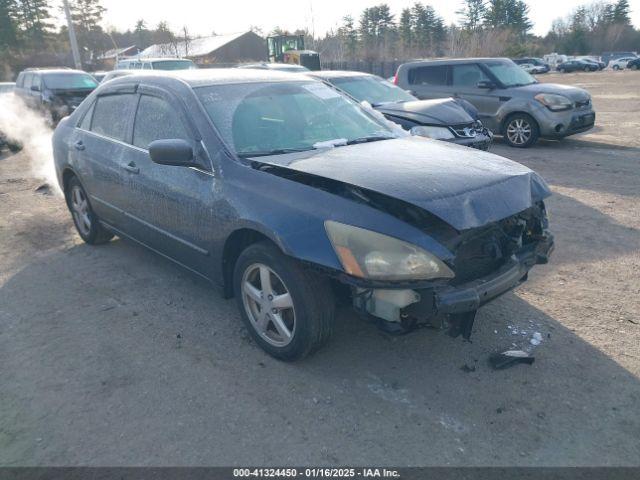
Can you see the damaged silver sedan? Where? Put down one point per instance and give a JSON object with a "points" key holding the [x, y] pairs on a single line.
{"points": [[289, 196]]}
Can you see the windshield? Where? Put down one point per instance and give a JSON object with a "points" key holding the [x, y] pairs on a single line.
{"points": [[275, 118], [174, 65], [372, 89], [69, 81], [510, 74]]}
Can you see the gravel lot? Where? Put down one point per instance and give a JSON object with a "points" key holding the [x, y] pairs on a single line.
{"points": [[111, 355]]}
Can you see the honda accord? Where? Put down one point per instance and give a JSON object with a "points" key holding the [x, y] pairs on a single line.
{"points": [[288, 194]]}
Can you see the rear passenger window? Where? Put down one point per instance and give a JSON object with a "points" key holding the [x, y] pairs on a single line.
{"points": [[434, 75], [110, 115], [156, 120], [467, 75]]}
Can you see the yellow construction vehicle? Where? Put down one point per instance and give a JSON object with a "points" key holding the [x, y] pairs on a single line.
{"points": [[290, 49]]}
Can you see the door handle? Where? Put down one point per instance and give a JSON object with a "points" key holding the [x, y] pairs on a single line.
{"points": [[79, 145], [131, 167]]}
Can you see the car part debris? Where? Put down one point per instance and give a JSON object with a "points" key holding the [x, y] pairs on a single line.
{"points": [[461, 324], [502, 360]]}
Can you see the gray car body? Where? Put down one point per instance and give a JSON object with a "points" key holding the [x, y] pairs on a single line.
{"points": [[495, 105], [202, 217]]}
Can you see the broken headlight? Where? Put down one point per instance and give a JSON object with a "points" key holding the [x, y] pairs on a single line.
{"points": [[553, 102], [368, 254], [437, 133]]}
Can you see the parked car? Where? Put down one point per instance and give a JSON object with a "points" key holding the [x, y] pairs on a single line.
{"points": [[542, 66], [117, 74], [597, 63], [607, 57], [576, 65], [282, 190], [442, 119], [531, 68], [6, 88], [620, 63], [634, 64], [56, 92], [99, 76], [510, 101], [156, 64], [281, 67]]}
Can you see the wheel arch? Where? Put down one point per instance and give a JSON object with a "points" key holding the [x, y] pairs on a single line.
{"points": [[505, 121], [234, 245], [67, 174]]}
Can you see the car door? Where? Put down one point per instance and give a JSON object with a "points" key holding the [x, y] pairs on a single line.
{"points": [[169, 208], [429, 81], [100, 145], [464, 84], [35, 91]]}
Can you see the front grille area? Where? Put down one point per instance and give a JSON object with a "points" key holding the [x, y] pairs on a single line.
{"points": [[484, 250]]}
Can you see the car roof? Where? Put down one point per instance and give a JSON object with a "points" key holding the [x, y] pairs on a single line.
{"points": [[339, 74], [154, 59], [214, 76], [57, 71], [448, 61]]}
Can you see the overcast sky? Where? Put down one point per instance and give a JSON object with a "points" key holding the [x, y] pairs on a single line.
{"points": [[205, 17]]}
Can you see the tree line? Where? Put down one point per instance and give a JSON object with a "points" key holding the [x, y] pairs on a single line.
{"points": [[29, 37], [484, 27]]}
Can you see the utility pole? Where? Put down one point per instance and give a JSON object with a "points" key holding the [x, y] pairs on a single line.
{"points": [[72, 36]]}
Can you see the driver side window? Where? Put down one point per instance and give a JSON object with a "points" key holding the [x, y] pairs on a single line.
{"points": [[467, 75], [156, 120]]}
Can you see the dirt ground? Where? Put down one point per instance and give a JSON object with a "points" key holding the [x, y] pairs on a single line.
{"points": [[111, 355]]}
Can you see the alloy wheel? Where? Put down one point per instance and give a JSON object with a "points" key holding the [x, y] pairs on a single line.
{"points": [[268, 305], [519, 131], [80, 210]]}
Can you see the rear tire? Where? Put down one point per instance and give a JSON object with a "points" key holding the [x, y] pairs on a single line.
{"points": [[86, 222], [276, 296], [520, 130], [616, 67]]}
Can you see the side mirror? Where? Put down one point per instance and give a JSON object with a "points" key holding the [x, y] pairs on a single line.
{"points": [[35, 88], [174, 151], [486, 84]]}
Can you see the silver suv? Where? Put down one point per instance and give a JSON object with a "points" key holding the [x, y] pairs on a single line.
{"points": [[509, 100]]}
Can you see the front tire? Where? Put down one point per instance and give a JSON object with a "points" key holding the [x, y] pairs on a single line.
{"points": [[521, 130], [288, 310], [86, 222]]}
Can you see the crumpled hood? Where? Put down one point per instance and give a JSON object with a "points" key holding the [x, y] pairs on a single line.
{"points": [[464, 187], [442, 111], [574, 93]]}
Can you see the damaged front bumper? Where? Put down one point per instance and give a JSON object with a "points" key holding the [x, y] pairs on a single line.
{"points": [[407, 306]]}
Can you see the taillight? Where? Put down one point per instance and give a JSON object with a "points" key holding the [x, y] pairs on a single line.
{"points": [[395, 78]]}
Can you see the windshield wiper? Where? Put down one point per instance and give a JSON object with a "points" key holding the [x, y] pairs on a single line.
{"points": [[373, 138], [277, 151]]}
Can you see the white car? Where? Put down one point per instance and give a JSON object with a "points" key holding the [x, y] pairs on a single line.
{"points": [[531, 68], [620, 63]]}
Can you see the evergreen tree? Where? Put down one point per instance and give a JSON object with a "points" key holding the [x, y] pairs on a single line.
{"points": [[620, 13], [8, 23], [472, 14], [511, 14], [405, 29], [86, 15], [349, 36], [35, 21]]}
